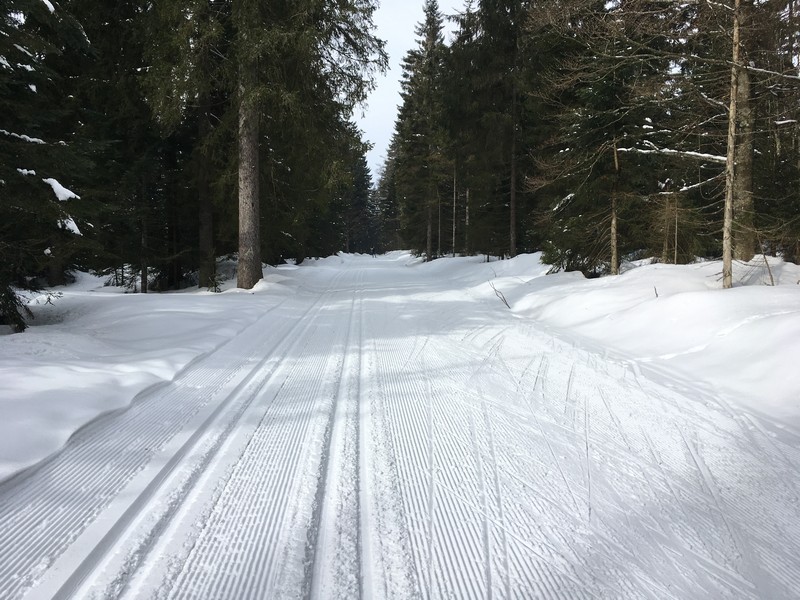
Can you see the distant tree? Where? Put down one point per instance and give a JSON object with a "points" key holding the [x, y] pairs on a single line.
{"points": [[421, 142], [500, 84]]}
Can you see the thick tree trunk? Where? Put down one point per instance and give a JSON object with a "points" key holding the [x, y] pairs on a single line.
{"points": [[744, 234], [730, 165], [55, 266], [249, 272]]}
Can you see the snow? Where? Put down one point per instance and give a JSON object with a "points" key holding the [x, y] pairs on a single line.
{"points": [[89, 353], [384, 427], [69, 224], [62, 193], [22, 137], [49, 5], [653, 149], [23, 50], [26, 172]]}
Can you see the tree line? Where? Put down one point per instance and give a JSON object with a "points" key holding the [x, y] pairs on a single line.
{"points": [[596, 130], [144, 139]]}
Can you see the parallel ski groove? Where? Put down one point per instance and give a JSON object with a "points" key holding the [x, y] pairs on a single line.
{"points": [[229, 405], [263, 549], [31, 498], [328, 544]]}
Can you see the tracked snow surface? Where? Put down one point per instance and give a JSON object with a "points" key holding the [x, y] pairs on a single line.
{"points": [[366, 427]]}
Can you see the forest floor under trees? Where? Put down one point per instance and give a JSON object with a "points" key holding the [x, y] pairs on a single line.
{"points": [[384, 428]]}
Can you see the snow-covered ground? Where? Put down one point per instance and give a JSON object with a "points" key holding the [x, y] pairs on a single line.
{"points": [[380, 427]]}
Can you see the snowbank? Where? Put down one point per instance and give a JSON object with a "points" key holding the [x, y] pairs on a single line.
{"points": [[669, 321], [95, 349]]}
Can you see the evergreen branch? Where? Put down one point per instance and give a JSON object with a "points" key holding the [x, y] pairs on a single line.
{"points": [[679, 153]]}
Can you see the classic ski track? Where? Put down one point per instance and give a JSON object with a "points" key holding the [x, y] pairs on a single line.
{"points": [[451, 504], [143, 430], [335, 533], [179, 493], [265, 557], [390, 354]]}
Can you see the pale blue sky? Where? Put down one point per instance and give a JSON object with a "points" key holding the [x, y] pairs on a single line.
{"points": [[395, 21]]}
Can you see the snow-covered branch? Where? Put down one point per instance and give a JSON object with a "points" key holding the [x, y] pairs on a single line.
{"points": [[694, 186], [653, 149], [62, 193], [23, 137]]}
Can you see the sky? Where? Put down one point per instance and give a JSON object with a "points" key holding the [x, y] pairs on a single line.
{"points": [[395, 21]]}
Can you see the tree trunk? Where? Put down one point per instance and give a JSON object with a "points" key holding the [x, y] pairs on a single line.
{"points": [[55, 265], [614, 250], [143, 269], [675, 253], [614, 241], [429, 233], [512, 246], [249, 272], [439, 224], [466, 224], [667, 224], [455, 201], [730, 164], [174, 269]]}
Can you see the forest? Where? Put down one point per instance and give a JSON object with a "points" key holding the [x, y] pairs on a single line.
{"points": [[145, 138]]}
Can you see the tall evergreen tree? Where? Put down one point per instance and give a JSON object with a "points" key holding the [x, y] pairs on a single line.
{"points": [[39, 150], [501, 86], [421, 137], [188, 89]]}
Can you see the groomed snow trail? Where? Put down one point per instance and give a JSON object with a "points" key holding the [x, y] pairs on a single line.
{"points": [[385, 434]]}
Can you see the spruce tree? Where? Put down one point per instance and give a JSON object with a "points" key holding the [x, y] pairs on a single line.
{"points": [[39, 153], [422, 163]]}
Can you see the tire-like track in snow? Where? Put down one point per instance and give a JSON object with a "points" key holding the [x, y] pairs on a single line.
{"points": [[380, 437]]}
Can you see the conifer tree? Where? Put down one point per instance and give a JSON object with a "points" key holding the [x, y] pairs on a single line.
{"points": [[500, 85], [39, 153], [188, 89], [421, 137]]}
